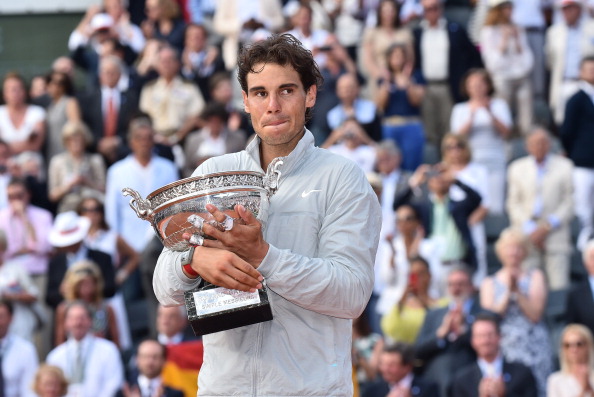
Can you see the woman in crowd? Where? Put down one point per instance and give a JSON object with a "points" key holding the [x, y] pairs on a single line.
{"points": [[22, 125], [456, 153], [486, 122], [576, 377], [75, 173], [351, 141], [399, 97], [50, 381], [403, 321], [509, 60], [62, 108], [83, 281], [367, 346], [163, 22], [519, 296]]}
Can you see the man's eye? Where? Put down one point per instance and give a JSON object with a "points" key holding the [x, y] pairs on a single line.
{"points": [[287, 91], [260, 94]]}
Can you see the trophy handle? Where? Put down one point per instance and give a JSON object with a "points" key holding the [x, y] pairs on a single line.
{"points": [[272, 176], [141, 206]]}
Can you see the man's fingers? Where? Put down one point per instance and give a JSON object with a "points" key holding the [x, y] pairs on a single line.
{"points": [[245, 215]]}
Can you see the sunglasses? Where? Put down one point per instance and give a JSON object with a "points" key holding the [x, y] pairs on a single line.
{"points": [[453, 146], [580, 343]]}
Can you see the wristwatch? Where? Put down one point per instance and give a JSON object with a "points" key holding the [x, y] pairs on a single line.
{"points": [[186, 262]]}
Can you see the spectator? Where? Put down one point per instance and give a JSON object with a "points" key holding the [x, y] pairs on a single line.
{"points": [[540, 202], [67, 235], [75, 173], [456, 153], [491, 374], [83, 282], [63, 107], [443, 54], [577, 138], [213, 139], [30, 166], [127, 33], [567, 42], [22, 126], [5, 176], [367, 346], [399, 98], [582, 294], [38, 89], [351, 141], [397, 377], [146, 379], [576, 352], [509, 60], [50, 382], [519, 297], [18, 361], [443, 345], [163, 22], [486, 122], [92, 365]]}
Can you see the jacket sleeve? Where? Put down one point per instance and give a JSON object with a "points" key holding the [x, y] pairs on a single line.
{"points": [[472, 200], [339, 281]]}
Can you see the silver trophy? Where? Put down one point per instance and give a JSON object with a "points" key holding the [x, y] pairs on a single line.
{"points": [[180, 207]]}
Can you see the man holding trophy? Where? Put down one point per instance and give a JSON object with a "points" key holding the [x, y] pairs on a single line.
{"points": [[314, 253]]}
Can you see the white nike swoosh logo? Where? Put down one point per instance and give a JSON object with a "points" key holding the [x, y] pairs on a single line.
{"points": [[305, 194]]}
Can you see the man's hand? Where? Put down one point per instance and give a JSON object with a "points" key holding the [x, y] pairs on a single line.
{"points": [[538, 237]]}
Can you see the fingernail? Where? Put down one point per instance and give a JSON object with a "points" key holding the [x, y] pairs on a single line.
{"points": [[261, 278], [253, 290], [259, 286]]}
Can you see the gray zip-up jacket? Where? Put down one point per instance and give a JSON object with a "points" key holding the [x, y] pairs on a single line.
{"points": [[323, 229]]}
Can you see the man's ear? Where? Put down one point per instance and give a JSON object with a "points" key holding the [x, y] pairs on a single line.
{"points": [[310, 96], [246, 107]]}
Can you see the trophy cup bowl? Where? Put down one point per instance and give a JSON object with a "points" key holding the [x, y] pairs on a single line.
{"points": [[174, 209]]}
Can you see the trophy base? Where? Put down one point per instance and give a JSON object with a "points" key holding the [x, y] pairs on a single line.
{"points": [[214, 309]]}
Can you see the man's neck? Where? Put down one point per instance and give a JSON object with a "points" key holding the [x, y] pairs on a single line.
{"points": [[143, 160]]}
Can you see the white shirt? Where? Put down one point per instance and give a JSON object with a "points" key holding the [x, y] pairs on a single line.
{"points": [[528, 13], [435, 47], [19, 364], [493, 369], [9, 133], [107, 94], [103, 369], [363, 155], [14, 278], [147, 386], [129, 173], [174, 340], [573, 52], [389, 185]]}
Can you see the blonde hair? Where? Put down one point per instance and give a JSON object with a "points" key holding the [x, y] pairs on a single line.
{"points": [[584, 333], [459, 139], [510, 235], [72, 128], [54, 371], [76, 274]]}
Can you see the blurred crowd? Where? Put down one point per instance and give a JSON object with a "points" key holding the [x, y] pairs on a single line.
{"points": [[473, 120]]}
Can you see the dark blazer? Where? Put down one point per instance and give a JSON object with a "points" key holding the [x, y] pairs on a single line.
{"points": [[462, 56], [419, 387], [440, 358], [132, 380], [577, 131], [459, 209], [57, 270], [580, 302], [519, 381]]}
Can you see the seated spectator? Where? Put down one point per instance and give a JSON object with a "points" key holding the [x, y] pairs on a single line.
{"points": [[519, 296], [486, 122], [22, 125], [146, 378], [581, 296], [31, 167], [18, 361], [367, 346], [491, 374], [76, 172], [92, 365], [456, 153], [163, 22], [397, 377], [443, 344], [351, 141], [404, 320], [576, 352], [83, 282], [399, 97], [213, 139], [50, 381]]}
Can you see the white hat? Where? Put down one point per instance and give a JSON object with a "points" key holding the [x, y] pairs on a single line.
{"points": [[69, 229], [101, 21], [563, 3], [497, 3]]}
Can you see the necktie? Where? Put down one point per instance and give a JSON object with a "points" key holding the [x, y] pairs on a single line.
{"points": [[1, 371], [111, 118], [78, 371]]}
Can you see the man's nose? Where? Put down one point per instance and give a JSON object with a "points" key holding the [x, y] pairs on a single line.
{"points": [[273, 103]]}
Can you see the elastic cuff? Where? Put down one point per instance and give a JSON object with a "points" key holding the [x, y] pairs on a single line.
{"points": [[271, 259]]}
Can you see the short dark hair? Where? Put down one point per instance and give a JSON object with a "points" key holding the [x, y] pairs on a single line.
{"points": [[282, 50], [406, 351], [490, 317], [589, 58], [486, 76], [215, 109], [8, 305], [17, 181]]}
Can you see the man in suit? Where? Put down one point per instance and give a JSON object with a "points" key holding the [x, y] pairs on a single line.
{"points": [[444, 53], [67, 234], [107, 110], [540, 202], [397, 378], [580, 300], [145, 379], [443, 343], [578, 140], [491, 375]]}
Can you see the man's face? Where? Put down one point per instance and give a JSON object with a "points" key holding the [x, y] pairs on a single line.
{"points": [[167, 64], [571, 13], [391, 367], [17, 196], [587, 72], [77, 322], [142, 141], [150, 359], [169, 321], [538, 145], [386, 162], [347, 89], [109, 75], [485, 339], [459, 285], [276, 102], [431, 10], [195, 38], [5, 320]]}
